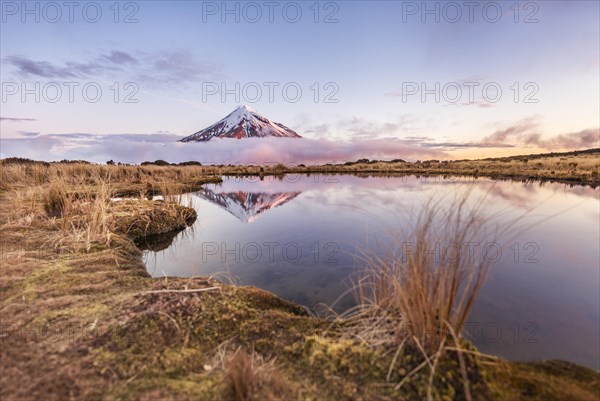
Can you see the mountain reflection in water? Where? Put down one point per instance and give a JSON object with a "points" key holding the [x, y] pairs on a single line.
{"points": [[246, 206], [542, 295]]}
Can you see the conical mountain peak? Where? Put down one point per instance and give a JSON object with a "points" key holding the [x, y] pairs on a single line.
{"points": [[243, 122]]}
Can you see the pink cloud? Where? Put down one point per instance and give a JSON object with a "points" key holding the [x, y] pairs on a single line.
{"points": [[126, 148]]}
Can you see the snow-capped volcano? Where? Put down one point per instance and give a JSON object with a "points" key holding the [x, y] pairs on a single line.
{"points": [[246, 206], [243, 122]]}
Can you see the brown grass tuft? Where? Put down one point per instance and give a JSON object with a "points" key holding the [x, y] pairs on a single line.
{"points": [[57, 201], [252, 378], [422, 292], [242, 376]]}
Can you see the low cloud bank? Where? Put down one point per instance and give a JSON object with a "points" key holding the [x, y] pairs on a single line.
{"points": [[138, 148]]}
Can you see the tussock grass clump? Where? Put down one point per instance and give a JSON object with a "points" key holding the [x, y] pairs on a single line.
{"points": [[427, 287], [143, 218], [250, 377], [418, 297], [57, 201], [242, 376]]}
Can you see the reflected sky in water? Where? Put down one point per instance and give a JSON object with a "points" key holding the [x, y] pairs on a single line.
{"points": [[302, 238]]}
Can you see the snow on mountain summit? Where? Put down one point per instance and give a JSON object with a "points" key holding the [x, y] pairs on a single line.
{"points": [[243, 122], [246, 206]]}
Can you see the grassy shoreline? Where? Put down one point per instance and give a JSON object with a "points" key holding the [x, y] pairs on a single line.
{"points": [[82, 319], [577, 168]]}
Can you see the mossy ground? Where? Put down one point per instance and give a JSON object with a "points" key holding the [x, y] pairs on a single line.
{"points": [[88, 323]]}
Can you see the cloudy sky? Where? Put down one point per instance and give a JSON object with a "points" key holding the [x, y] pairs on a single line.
{"points": [[356, 79]]}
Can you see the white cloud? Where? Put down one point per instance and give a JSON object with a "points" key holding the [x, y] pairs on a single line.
{"points": [[139, 148]]}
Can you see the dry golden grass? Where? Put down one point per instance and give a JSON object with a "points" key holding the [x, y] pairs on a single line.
{"points": [[424, 290], [127, 179], [578, 168], [77, 198]]}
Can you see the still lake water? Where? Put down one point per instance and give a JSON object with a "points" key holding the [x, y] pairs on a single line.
{"points": [[301, 237]]}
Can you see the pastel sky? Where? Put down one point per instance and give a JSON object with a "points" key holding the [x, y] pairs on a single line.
{"points": [[361, 68]]}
